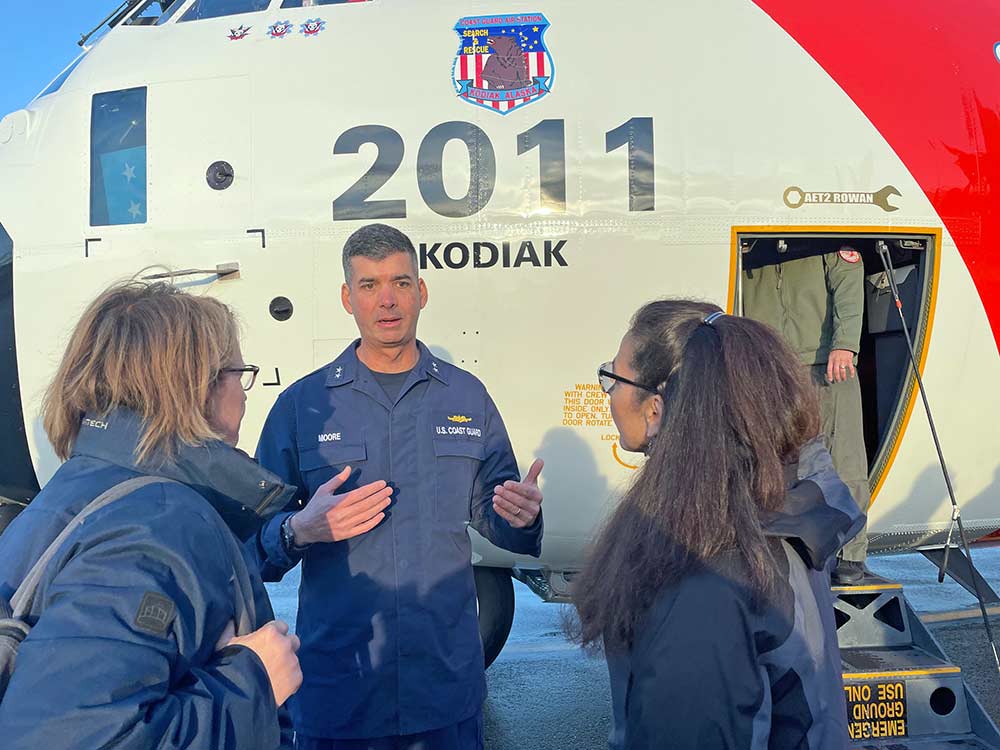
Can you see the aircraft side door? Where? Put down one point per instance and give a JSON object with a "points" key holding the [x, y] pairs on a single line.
{"points": [[202, 179]]}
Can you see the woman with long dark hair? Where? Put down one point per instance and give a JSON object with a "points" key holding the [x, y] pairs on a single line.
{"points": [[709, 584]]}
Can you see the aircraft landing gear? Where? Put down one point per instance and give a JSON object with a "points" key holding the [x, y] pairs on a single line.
{"points": [[495, 596]]}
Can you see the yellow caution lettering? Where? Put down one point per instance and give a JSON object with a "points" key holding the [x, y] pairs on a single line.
{"points": [[876, 711]]}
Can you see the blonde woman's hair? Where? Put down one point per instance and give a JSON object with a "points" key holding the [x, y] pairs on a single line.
{"points": [[150, 348]]}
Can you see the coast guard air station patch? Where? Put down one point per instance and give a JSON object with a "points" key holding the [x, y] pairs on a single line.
{"points": [[850, 254], [502, 62]]}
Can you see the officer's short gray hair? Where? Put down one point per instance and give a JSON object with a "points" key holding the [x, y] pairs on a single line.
{"points": [[377, 242]]}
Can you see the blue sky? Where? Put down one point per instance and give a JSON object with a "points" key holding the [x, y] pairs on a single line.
{"points": [[39, 40]]}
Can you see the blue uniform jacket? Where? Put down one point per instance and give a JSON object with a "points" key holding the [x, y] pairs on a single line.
{"points": [[390, 636], [92, 673]]}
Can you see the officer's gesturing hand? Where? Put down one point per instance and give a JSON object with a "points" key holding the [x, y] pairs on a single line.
{"points": [[519, 503], [840, 366], [333, 518], [276, 649]]}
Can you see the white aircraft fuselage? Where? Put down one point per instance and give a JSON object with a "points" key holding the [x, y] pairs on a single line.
{"points": [[557, 163]]}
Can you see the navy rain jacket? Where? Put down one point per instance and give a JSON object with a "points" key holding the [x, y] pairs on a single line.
{"points": [[388, 622], [710, 671], [92, 674]]}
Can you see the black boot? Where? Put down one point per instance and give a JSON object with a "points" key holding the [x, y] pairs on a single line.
{"points": [[848, 573]]}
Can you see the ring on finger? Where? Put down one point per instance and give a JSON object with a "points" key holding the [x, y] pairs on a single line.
{"points": [[517, 511]]}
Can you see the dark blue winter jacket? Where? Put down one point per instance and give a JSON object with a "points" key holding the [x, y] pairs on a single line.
{"points": [[713, 668], [96, 671]]}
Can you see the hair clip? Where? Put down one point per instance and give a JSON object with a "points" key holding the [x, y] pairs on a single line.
{"points": [[712, 317]]}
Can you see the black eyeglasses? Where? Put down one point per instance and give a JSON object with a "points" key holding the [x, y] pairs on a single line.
{"points": [[607, 378], [248, 375]]}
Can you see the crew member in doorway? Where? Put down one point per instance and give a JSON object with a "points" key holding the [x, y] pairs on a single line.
{"points": [[812, 292], [391, 652]]}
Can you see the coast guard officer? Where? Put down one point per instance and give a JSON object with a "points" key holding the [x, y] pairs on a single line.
{"points": [[416, 449], [813, 294]]}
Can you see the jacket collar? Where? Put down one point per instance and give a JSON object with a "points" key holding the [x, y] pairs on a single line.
{"points": [[819, 515], [344, 369], [240, 490]]}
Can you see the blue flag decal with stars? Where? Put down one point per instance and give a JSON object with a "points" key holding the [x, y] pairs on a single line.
{"points": [[124, 175]]}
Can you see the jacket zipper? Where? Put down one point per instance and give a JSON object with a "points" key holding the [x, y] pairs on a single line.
{"points": [[267, 499]]}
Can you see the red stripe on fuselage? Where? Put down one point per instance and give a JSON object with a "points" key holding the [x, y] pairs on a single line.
{"points": [[925, 74]]}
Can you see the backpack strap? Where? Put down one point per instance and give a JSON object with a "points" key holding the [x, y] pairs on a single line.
{"points": [[24, 598]]}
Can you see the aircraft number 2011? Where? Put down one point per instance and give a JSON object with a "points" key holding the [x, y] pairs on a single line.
{"points": [[548, 136]]}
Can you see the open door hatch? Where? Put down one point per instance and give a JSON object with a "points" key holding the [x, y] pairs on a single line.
{"points": [[888, 386]]}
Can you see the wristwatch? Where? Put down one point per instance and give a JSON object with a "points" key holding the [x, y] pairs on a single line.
{"points": [[288, 536]]}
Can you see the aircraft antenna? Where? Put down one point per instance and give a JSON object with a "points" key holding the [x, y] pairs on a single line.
{"points": [[956, 514], [112, 19]]}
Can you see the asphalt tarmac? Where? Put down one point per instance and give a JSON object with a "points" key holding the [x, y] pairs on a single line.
{"points": [[546, 694]]}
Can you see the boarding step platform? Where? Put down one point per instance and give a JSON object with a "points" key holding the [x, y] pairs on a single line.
{"points": [[902, 692]]}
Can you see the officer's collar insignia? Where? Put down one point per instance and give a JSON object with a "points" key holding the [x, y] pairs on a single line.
{"points": [[460, 419], [341, 371], [429, 365]]}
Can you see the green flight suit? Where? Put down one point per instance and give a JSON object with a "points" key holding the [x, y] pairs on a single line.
{"points": [[817, 304]]}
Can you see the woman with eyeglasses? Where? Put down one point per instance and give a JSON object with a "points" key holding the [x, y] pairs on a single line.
{"points": [[149, 629], [708, 586]]}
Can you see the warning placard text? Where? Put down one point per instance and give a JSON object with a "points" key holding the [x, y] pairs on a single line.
{"points": [[586, 405], [876, 710]]}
